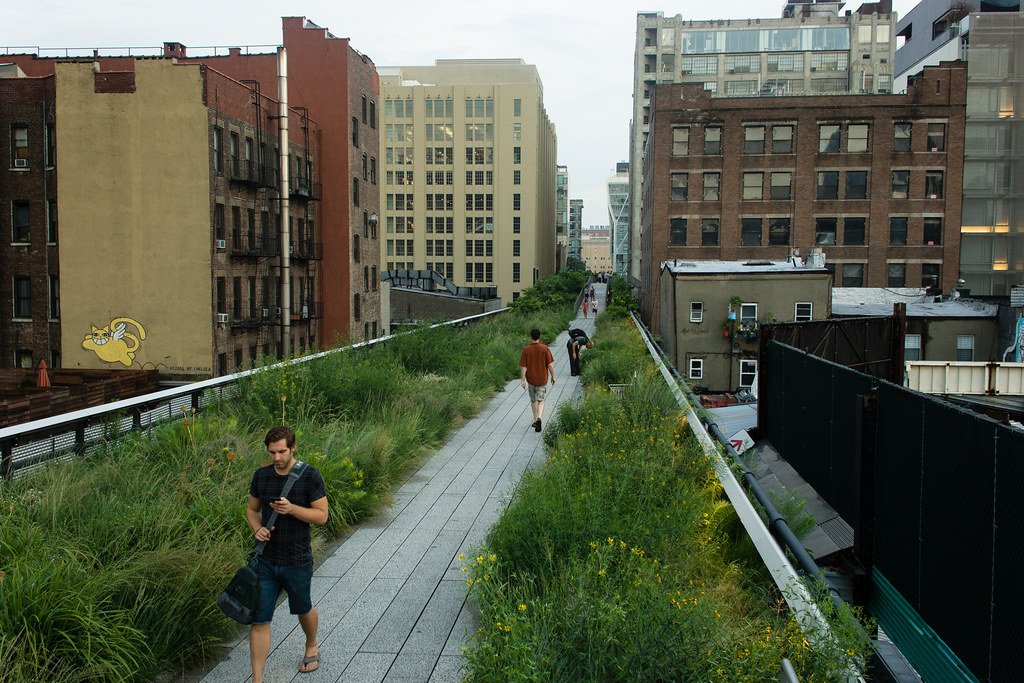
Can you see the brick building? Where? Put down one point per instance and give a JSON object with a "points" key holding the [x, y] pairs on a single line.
{"points": [[30, 285], [170, 244], [339, 88], [873, 179]]}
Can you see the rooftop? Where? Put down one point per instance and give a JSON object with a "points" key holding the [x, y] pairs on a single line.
{"points": [[872, 301], [705, 267]]}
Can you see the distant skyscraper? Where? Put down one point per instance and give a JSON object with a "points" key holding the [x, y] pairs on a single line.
{"points": [[561, 216], [597, 248], [469, 173], [812, 49], [576, 228], [618, 217]]}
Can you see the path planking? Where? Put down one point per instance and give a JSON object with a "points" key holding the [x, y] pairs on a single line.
{"points": [[392, 597]]}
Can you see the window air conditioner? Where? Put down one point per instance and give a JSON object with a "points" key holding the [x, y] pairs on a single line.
{"points": [[277, 311], [222, 244], [21, 163], [222, 318], [266, 312]]}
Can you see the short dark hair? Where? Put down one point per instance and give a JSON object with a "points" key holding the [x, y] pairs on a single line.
{"points": [[280, 432], [535, 334]]}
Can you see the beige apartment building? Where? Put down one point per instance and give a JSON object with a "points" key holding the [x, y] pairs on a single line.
{"points": [[469, 165], [597, 248]]}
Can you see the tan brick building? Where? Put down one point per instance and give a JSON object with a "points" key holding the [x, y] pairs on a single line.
{"points": [[872, 179]]}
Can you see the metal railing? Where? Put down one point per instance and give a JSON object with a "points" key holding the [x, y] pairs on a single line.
{"points": [[62, 437]]}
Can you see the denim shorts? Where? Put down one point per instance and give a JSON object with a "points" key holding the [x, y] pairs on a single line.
{"points": [[292, 579]]}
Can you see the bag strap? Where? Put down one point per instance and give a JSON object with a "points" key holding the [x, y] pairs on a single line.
{"points": [[293, 476]]}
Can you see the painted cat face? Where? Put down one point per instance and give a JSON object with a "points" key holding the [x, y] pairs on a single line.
{"points": [[100, 336]]}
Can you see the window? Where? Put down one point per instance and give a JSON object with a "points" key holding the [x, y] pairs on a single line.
{"points": [[782, 139], [748, 373], [680, 140], [677, 232], [857, 137], [23, 359], [517, 226], [900, 184], [222, 295], [802, 311], [355, 191], [936, 140], [753, 139], [896, 275], [516, 201], [753, 185], [898, 229], [516, 272], [825, 230], [828, 138], [857, 185], [373, 114], [51, 222], [51, 146], [516, 246], [853, 230], [712, 183], [828, 185], [778, 231], [516, 177], [233, 151], [713, 140], [781, 185], [912, 347], [932, 231], [750, 232], [218, 150], [709, 232], [355, 137], [517, 155], [933, 184], [901, 137], [356, 313], [853, 275], [19, 146], [696, 368], [355, 248], [748, 312], [680, 189], [20, 232], [696, 311], [965, 347], [930, 274]]}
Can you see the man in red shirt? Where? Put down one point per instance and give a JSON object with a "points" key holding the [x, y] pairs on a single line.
{"points": [[537, 364]]}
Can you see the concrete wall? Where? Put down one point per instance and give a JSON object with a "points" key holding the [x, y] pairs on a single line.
{"points": [[938, 337], [414, 306], [135, 226]]}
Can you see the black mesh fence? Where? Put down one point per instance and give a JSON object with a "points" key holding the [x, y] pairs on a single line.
{"points": [[948, 528]]}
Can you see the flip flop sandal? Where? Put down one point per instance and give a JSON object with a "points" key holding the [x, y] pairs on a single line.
{"points": [[306, 661]]}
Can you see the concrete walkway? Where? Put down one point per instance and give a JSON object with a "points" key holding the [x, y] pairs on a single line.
{"points": [[392, 596]]}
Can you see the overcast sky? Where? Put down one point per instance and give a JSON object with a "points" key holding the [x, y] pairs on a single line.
{"points": [[583, 49]]}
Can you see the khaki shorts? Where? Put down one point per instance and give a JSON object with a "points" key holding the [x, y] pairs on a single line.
{"points": [[537, 393]]}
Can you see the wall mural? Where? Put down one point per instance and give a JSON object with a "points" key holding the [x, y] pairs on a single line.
{"points": [[114, 343]]}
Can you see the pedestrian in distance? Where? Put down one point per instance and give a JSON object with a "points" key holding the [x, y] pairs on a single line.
{"points": [[586, 304], [537, 365], [578, 340], [287, 560]]}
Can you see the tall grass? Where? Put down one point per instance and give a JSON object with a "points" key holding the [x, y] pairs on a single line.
{"points": [[621, 560], [110, 565]]}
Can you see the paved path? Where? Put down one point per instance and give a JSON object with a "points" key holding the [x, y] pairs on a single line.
{"points": [[392, 597]]}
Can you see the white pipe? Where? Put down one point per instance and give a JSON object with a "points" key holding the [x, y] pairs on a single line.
{"points": [[286, 240]]}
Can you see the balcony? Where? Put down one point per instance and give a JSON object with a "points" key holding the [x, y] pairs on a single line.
{"points": [[303, 188], [307, 251], [254, 175], [254, 246]]}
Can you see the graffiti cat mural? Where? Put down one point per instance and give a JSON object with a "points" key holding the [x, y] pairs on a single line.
{"points": [[114, 343]]}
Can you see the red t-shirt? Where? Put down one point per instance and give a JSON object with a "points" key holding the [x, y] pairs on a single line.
{"points": [[535, 358]]}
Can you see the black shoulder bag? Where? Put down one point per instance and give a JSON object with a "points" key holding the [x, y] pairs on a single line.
{"points": [[242, 596]]}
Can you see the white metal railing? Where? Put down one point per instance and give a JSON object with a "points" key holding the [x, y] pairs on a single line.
{"points": [[31, 444], [963, 377]]}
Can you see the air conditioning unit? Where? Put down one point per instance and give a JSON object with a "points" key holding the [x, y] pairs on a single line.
{"points": [[266, 312], [21, 163], [222, 318], [277, 311], [222, 245]]}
